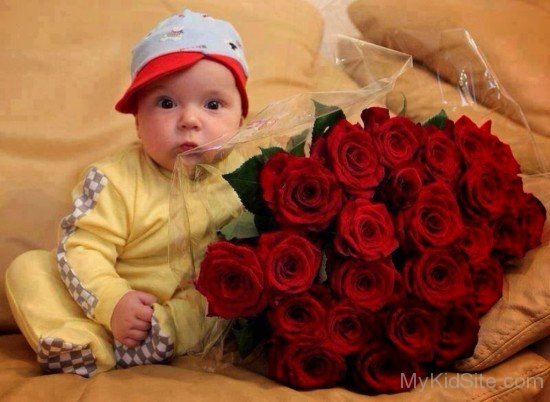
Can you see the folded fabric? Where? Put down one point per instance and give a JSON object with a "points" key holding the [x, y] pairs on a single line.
{"points": [[513, 37]]}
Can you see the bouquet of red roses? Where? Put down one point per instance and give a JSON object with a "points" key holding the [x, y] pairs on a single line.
{"points": [[373, 256]]}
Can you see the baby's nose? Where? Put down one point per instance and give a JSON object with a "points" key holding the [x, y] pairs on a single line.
{"points": [[189, 118]]}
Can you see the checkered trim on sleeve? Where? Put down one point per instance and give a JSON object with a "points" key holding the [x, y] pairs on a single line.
{"points": [[158, 347], [57, 356], [94, 182]]}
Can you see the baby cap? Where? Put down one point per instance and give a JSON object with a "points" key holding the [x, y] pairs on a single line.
{"points": [[177, 43]]}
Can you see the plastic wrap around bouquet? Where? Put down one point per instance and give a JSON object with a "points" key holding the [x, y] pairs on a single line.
{"points": [[352, 245]]}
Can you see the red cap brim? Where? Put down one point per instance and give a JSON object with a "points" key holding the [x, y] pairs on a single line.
{"points": [[172, 62]]}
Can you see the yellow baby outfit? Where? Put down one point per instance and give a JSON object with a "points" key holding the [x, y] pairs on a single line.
{"points": [[115, 239]]}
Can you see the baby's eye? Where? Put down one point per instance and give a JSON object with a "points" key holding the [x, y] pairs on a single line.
{"points": [[213, 104], [166, 103]]}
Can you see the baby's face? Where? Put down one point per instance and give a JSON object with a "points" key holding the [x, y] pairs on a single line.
{"points": [[187, 109]]}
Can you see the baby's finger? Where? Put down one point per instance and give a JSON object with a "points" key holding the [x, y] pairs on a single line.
{"points": [[144, 313], [141, 325], [146, 298], [131, 343], [136, 334]]}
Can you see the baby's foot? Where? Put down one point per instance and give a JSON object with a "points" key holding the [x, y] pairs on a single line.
{"points": [[57, 356]]}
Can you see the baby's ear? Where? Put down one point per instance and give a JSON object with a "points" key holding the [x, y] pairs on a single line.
{"points": [[242, 121]]}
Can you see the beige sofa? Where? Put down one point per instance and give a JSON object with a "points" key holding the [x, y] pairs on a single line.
{"points": [[64, 64]]}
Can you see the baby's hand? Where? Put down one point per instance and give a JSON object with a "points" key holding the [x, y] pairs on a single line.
{"points": [[131, 319]]}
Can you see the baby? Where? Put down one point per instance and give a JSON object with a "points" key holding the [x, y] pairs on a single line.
{"points": [[107, 296]]}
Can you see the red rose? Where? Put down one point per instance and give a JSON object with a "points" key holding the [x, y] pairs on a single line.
{"points": [[290, 261], [322, 294], [434, 220], [353, 159], [270, 175], [349, 328], [403, 185], [298, 315], [476, 241], [502, 156], [487, 277], [458, 337], [438, 277], [374, 116], [380, 368], [473, 142], [513, 194], [509, 237], [300, 191], [276, 368], [482, 191], [306, 365], [319, 151], [232, 281], [365, 230], [486, 127], [478, 143], [368, 285], [318, 291], [441, 156], [533, 216], [397, 140], [413, 329]]}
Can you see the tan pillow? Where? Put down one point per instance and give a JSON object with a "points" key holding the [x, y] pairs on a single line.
{"points": [[330, 78], [64, 65], [513, 35]]}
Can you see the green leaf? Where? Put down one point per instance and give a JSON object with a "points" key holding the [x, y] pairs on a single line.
{"points": [[327, 116], [249, 334], [439, 120], [404, 108], [296, 144], [245, 182], [242, 227], [269, 152]]}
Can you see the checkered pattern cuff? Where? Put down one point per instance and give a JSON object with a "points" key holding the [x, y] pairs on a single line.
{"points": [[158, 347], [58, 356]]}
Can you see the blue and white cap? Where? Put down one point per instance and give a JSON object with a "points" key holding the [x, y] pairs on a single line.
{"points": [[180, 41]]}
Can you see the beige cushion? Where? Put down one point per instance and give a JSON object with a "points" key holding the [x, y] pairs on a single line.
{"points": [[64, 65], [512, 34], [21, 378]]}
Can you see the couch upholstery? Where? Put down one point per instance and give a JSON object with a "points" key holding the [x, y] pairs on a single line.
{"points": [[64, 64], [183, 380]]}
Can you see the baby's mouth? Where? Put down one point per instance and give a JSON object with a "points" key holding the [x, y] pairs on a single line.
{"points": [[186, 146]]}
